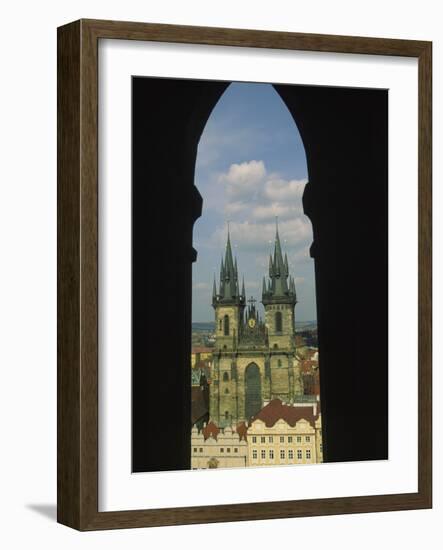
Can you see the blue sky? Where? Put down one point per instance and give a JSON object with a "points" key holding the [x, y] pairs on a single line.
{"points": [[251, 167]]}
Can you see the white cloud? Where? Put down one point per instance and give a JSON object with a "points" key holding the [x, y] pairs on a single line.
{"points": [[254, 195], [253, 235], [278, 189], [270, 211], [243, 180], [253, 198], [235, 207]]}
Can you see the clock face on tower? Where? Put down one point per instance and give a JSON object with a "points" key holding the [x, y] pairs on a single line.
{"points": [[251, 323]]}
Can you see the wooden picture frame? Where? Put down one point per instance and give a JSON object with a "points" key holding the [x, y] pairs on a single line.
{"points": [[78, 274]]}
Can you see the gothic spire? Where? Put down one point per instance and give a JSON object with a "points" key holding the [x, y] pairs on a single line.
{"points": [[229, 284], [214, 290], [229, 264], [279, 288], [279, 267]]}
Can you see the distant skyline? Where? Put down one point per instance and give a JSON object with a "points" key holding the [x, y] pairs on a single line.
{"points": [[250, 169]]}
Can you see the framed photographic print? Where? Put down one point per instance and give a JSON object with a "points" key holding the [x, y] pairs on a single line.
{"points": [[244, 274]]}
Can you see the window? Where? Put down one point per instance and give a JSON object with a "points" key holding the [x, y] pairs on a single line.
{"points": [[226, 390], [299, 439], [279, 362], [282, 439], [226, 325], [278, 322], [228, 449], [275, 346], [254, 439], [235, 449], [271, 454], [263, 439], [195, 449], [290, 454], [263, 453], [282, 454], [222, 450], [271, 439], [220, 325], [289, 438], [299, 455], [226, 415], [225, 377], [308, 453], [308, 439]]}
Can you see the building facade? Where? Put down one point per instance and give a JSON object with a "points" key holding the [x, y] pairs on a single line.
{"points": [[282, 434], [254, 359], [212, 447]]}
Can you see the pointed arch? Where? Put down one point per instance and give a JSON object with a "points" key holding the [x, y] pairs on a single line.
{"points": [[278, 321], [253, 390], [226, 325]]}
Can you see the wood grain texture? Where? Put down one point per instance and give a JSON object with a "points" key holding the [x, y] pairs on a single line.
{"points": [[77, 456], [425, 274], [68, 276]]}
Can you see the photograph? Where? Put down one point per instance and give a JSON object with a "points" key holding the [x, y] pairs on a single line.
{"points": [[256, 357]]}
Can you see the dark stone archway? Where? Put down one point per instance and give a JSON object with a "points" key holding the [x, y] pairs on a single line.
{"points": [[345, 137], [253, 402]]}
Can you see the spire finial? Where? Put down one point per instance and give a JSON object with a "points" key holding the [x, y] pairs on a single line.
{"points": [[214, 289], [276, 226]]}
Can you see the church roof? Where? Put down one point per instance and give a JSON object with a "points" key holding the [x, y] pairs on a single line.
{"points": [[199, 407], [275, 410]]}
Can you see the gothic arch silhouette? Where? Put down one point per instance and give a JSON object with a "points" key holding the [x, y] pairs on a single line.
{"points": [[344, 132]]}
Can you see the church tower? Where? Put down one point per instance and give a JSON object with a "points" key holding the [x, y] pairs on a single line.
{"points": [[253, 361], [229, 303], [279, 299]]}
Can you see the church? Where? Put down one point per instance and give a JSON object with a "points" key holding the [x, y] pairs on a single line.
{"points": [[254, 359]]}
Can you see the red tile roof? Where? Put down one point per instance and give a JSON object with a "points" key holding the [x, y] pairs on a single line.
{"points": [[309, 365], [211, 430], [242, 431], [275, 410]]}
